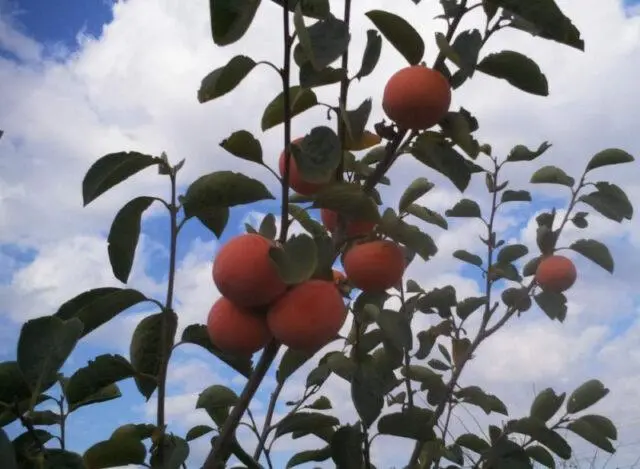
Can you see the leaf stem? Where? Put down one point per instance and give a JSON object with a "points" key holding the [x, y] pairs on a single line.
{"points": [[267, 422], [63, 421]]}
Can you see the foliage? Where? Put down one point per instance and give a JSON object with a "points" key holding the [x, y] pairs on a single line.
{"points": [[405, 382]]}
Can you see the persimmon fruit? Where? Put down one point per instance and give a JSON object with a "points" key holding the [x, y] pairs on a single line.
{"points": [[354, 227], [556, 273], [416, 97], [296, 181], [308, 316], [244, 273], [235, 329], [374, 266]]}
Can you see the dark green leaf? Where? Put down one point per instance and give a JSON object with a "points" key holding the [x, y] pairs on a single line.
{"points": [[224, 79], [416, 189], [198, 431], [396, 328], [348, 199], [243, 145], [465, 208], [586, 395], [327, 41], [7, 455], [468, 306], [62, 459], [601, 424], [124, 235], [595, 251], [216, 401], [610, 201], [119, 451], [468, 257], [553, 304], [99, 373], [112, 169], [371, 54], [356, 120], [231, 20], [589, 433], [108, 393], [458, 126], [302, 216], [517, 69], [415, 423], [546, 404], [291, 361], [427, 215], [297, 260], [473, 442], [515, 196], [312, 8], [304, 421], [309, 77], [322, 403], [147, 346], [43, 417], [44, 345], [301, 99], [317, 455], [367, 391], [487, 402], [400, 34], [552, 175], [512, 253], [540, 433], [98, 306], [176, 452], [197, 334], [609, 156], [318, 155], [268, 227], [541, 455], [13, 387], [522, 153], [410, 236], [346, 444]]}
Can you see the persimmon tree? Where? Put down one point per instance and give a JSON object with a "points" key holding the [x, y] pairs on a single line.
{"points": [[286, 292]]}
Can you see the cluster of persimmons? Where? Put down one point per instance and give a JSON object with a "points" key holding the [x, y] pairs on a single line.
{"points": [[256, 305]]}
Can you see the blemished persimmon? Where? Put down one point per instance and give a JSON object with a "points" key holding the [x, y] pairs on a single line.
{"points": [[296, 181], [375, 266], [416, 97], [237, 330], [244, 273], [354, 227], [556, 273], [308, 316]]}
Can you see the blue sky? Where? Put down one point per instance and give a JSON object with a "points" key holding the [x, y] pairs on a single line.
{"points": [[590, 333]]}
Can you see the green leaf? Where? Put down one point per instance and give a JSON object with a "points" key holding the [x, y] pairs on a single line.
{"points": [[371, 54], [522, 153], [176, 452], [327, 40], [586, 395], [216, 398], [7, 455], [348, 199], [367, 391], [13, 386], [416, 189], [396, 328], [415, 423], [119, 451], [487, 402], [322, 403], [515, 196], [459, 126], [98, 306], [317, 455], [346, 447], [198, 431], [147, 346], [553, 304], [99, 373], [583, 429], [309, 77], [297, 260], [473, 442], [546, 20], [610, 201], [595, 251], [112, 169], [244, 145], [468, 306], [356, 120], [411, 236], [268, 227], [312, 8], [517, 69], [231, 20], [318, 155], [304, 421], [540, 433], [546, 404], [62, 459], [197, 334], [601, 424], [552, 175], [291, 361], [301, 99], [302, 216], [224, 79], [466, 256], [43, 417], [608, 157], [427, 215], [442, 157], [400, 34], [465, 208], [541, 455], [124, 235], [108, 393], [223, 189], [511, 253], [44, 345]]}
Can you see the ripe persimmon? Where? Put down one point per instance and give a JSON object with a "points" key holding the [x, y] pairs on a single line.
{"points": [[308, 316], [354, 227], [296, 181], [237, 330], [556, 273], [374, 266], [244, 273], [416, 97]]}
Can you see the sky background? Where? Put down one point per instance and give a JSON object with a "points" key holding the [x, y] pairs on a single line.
{"points": [[83, 78]]}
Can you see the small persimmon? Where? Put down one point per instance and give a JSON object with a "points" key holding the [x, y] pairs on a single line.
{"points": [[236, 330], [416, 97], [374, 266], [296, 181], [354, 227], [308, 316], [556, 273], [244, 272]]}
